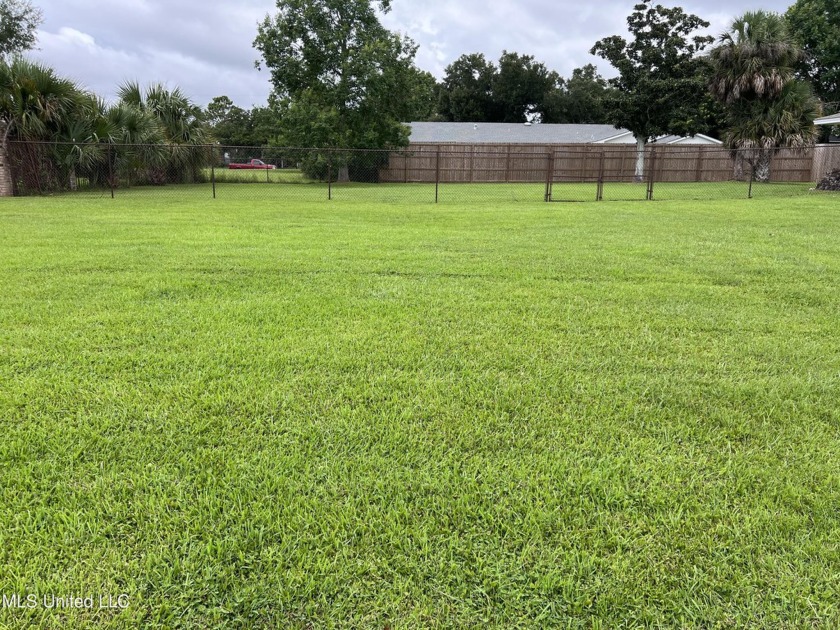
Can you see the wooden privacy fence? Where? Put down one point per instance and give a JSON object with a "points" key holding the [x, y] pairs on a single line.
{"points": [[826, 159], [515, 163]]}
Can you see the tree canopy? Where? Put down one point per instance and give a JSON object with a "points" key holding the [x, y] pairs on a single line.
{"points": [[340, 78], [578, 99], [230, 124], [149, 136], [522, 86], [660, 74], [466, 93], [19, 20], [518, 89], [753, 76], [815, 26]]}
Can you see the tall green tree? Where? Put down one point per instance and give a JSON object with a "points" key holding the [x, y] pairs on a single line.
{"points": [[342, 79], [815, 26], [229, 124], [474, 89], [753, 76], [754, 59], [267, 120], [466, 93], [579, 99], [660, 75], [424, 96], [19, 20], [521, 87]]}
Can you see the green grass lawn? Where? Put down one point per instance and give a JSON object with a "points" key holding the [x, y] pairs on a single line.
{"points": [[281, 412], [675, 191], [289, 186]]}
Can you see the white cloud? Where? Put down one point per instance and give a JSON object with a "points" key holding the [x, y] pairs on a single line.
{"points": [[73, 37]]}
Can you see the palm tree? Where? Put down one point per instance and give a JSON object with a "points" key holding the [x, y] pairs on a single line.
{"points": [[761, 126], [81, 140], [180, 126], [139, 143], [35, 104], [753, 76]]}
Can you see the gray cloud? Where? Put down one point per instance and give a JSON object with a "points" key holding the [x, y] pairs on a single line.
{"points": [[206, 47]]}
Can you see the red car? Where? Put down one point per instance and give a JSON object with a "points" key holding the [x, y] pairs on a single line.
{"points": [[259, 164]]}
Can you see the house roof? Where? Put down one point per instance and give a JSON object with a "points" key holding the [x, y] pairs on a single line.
{"points": [[508, 133], [627, 137], [696, 139], [517, 133], [834, 119]]}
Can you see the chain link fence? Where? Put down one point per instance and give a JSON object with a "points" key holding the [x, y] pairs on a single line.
{"points": [[420, 173]]}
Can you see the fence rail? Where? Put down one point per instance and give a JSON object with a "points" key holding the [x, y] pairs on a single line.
{"points": [[437, 171]]}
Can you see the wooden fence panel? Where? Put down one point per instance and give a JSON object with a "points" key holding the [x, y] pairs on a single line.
{"points": [[826, 159], [587, 163], [789, 165]]}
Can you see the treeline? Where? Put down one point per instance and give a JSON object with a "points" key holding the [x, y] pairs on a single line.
{"points": [[151, 135], [341, 80], [516, 89]]}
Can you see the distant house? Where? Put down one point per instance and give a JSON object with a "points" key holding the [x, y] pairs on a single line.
{"points": [[514, 152], [833, 119], [543, 134], [626, 137]]}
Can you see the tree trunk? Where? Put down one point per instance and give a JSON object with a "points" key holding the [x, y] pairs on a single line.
{"points": [[344, 173], [74, 181], [738, 173], [761, 168], [6, 189], [640, 158]]}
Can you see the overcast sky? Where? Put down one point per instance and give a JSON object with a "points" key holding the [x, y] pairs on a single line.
{"points": [[205, 46]]}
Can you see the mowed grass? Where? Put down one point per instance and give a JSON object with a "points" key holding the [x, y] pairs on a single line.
{"points": [[263, 413], [284, 188]]}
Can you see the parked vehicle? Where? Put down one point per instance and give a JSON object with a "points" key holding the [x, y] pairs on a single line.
{"points": [[254, 164]]}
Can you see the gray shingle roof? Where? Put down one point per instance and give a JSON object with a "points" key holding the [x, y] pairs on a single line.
{"points": [[513, 133]]}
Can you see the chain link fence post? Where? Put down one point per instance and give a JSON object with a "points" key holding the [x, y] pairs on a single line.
{"points": [[599, 191], [111, 169], [549, 171], [651, 174], [752, 179], [329, 174]]}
